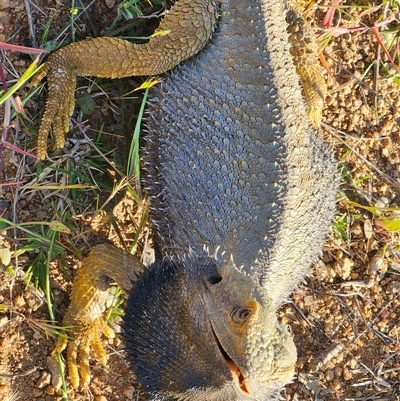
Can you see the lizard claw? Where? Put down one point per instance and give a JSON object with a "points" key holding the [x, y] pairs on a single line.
{"points": [[60, 104]]}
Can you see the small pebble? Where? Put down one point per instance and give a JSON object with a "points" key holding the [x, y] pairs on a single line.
{"points": [[43, 380], [36, 392], [50, 390], [338, 371], [382, 202], [19, 301], [54, 372], [129, 392]]}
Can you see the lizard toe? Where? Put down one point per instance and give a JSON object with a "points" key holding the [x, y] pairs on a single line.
{"points": [[72, 351]]}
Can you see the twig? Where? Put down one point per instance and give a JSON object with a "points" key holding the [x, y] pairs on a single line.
{"points": [[30, 21]]}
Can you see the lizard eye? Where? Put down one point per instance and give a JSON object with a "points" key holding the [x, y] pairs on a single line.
{"points": [[240, 315]]}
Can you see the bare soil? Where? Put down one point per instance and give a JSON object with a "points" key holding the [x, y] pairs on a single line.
{"points": [[345, 318]]}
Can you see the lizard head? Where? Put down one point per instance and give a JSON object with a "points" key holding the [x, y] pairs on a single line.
{"points": [[258, 350], [199, 329]]}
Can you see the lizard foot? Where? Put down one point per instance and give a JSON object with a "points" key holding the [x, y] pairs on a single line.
{"points": [[86, 334], [60, 104], [83, 320]]}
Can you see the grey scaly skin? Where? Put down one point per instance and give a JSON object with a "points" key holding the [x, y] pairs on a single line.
{"points": [[231, 158], [232, 163]]}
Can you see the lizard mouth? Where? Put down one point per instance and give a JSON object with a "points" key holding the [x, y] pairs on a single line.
{"points": [[235, 370]]}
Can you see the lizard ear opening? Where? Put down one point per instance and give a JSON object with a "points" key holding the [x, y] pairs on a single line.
{"points": [[210, 270], [215, 270], [214, 279]]}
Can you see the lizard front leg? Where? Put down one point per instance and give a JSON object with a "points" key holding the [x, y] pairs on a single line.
{"points": [[83, 321], [183, 32]]}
